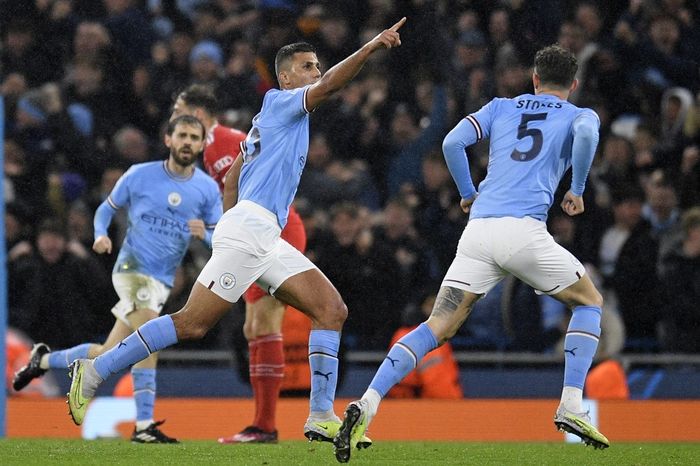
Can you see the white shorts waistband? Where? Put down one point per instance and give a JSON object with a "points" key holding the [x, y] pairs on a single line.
{"points": [[251, 206]]}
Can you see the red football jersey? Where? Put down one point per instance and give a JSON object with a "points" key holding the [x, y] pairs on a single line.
{"points": [[223, 146]]}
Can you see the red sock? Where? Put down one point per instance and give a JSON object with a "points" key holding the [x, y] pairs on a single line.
{"points": [[270, 371], [253, 372]]}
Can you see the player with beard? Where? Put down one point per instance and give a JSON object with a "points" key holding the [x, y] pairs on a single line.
{"points": [[168, 203]]}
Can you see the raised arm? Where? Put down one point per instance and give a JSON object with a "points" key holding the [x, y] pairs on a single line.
{"points": [[339, 75]]}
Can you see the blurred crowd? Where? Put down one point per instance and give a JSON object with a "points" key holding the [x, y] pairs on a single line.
{"points": [[88, 86]]}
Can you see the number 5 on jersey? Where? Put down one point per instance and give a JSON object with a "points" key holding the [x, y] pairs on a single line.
{"points": [[534, 133]]}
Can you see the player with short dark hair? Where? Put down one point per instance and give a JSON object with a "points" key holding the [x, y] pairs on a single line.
{"points": [[263, 313], [258, 191], [534, 139], [168, 202]]}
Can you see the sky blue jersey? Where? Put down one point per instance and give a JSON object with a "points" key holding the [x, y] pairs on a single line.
{"points": [[159, 206], [532, 138], [274, 153]]}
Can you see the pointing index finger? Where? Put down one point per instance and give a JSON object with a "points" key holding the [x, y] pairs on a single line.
{"points": [[396, 26]]}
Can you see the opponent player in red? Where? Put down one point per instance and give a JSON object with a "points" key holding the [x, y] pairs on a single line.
{"points": [[264, 313]]}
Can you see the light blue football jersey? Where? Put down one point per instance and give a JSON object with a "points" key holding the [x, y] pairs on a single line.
{"points": [[530, 140], [159, 205], [274, 153]]}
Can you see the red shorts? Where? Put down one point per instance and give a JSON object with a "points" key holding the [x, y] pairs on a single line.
{"points": [[294, 234]]}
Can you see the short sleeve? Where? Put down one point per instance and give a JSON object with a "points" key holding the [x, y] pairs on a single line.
{"points": [[119, 197], [482, 119], [289, 105]]}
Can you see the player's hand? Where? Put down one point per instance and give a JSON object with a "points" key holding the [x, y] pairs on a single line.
{"points": [[197, 228], [388, 38], [572, 204], [102, 245], [466, 204]]}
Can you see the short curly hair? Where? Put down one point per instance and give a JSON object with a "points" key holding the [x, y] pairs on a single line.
{"points": [[556, 66]]}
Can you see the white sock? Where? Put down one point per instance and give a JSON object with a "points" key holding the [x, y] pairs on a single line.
{"points": [[323, 416], [141, 425], [373, 398], [44, 363], [572, 399]]}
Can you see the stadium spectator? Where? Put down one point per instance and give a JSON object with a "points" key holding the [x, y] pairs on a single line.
{"points": [[206, 64], [627, 257], [680, 276], [411, 141], [129, 146], [170, 66], [129, 27], [359, 265], [24, 54], [47, 293], [690, 177], [439, 219], [244, 85], [328, 180], [660, 209], [414, 258]]}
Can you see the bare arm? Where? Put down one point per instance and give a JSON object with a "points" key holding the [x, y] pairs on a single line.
{"points": [[339, 75], [231, 183]]}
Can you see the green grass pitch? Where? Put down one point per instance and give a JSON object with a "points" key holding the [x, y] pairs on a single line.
{"points": [[107, 452]]}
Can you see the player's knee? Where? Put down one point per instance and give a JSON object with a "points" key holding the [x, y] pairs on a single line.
{"points": [[341, 313], [248, 331], [195, 332], [592, 298], [333, 315]]}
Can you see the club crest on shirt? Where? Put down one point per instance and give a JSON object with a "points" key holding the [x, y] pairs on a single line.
{"points": [[174, 199], [227, 281], [143, 294]]}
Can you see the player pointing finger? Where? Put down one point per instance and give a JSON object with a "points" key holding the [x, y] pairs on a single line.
{"points": [[389, 38]]}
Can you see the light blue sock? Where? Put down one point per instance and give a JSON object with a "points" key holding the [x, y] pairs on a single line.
{"points": [[403, 357], [61, 359], [152, 336], [580, 344], [144, 392], [323, 362]]}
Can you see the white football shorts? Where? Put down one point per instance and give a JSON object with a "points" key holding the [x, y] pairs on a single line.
{"points": [[138, 291], [492, 247], [247, 248]]}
